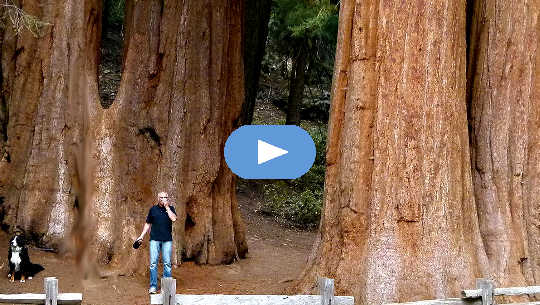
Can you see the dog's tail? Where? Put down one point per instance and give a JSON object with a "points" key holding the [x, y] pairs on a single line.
{"points": [[33, 269]]}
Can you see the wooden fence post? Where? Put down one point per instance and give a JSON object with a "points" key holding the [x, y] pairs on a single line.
{"points": [[326, 288], [487, 288], [168, 290], [51, 291]]}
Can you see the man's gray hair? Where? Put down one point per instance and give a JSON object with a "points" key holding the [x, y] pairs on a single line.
{"points": [[162, 194]]}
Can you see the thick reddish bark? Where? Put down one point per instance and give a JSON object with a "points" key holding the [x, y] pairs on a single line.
{"points": [[4, 114], [180, 97], [399, 220], [532, 211], [45, 83], [501, 83]]}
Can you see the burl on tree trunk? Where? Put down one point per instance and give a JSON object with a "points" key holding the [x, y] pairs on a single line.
{"points": [[399, 221], [179, 98]]}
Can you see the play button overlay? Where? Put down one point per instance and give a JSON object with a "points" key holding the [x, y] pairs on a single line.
{"points": [[269, 152]]}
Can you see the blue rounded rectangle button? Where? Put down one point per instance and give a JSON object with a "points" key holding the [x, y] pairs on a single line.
{"points": [[269, 151]]}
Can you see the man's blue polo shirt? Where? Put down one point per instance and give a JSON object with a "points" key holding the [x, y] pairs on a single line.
{"points": [[161, 223]]}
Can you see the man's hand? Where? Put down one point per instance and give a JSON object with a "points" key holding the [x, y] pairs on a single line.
{"points": [[172, 216]]}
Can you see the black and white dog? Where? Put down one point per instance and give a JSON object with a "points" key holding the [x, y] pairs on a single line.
{"points": [[20, 266]]}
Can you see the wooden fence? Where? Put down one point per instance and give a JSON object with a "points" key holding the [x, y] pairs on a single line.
{"points": [[50, 297], [168, 296], [484, 294]]}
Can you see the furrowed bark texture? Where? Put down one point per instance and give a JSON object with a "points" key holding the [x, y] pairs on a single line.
{"points": [[399, 221], [180, 97], [45, 84], [4, 113], [503, 101]]}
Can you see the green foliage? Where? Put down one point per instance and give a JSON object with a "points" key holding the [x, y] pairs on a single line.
{"points": [[303, 21], [113, 12], [312, 21], [306, 20], [302, 209], [319, 136], [307, 27], [300, 200]]}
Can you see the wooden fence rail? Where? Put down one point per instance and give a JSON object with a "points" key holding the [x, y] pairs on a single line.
{"points": [[326, 297], [475, 293], [50, 297], [483, 295]]}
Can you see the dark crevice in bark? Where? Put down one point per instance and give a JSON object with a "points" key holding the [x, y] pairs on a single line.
{"points": [[17, 53], [161, 8], [471, 57], [472, 53], [152, 134], [189, 222], [3, 225]]}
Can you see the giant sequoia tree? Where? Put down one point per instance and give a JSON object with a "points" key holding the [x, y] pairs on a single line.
{"points": [[433, 163], [74, 165], [504, 102], [405, 216]]}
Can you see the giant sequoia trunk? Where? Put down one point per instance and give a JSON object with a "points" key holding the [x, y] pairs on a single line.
{"points": [[503, 69], [46, 86], [179, 98], [399, 221]]}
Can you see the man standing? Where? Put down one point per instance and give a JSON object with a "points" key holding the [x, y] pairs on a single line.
{"points": [[159, 222]]}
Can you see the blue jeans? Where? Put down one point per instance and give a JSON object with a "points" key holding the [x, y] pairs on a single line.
{"points": [[166, 249]]}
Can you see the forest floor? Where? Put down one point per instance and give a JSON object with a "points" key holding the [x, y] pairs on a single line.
{"points": [[277, 255]]}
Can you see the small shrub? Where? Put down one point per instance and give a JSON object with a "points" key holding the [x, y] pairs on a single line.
{"points": [[301, 208], [300, 200]]}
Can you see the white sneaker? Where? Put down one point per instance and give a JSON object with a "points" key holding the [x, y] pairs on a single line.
{"points": [[152, 290]]}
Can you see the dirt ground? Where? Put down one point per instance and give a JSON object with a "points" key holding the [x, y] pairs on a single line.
{"points": [[277, 255]]}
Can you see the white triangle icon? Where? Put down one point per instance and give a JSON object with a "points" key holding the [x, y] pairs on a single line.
{"points": [[267, 152]]}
